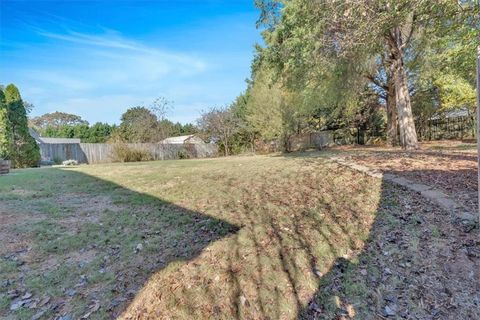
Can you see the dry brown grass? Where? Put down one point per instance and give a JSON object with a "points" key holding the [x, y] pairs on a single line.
{"points": [[260, 237]]}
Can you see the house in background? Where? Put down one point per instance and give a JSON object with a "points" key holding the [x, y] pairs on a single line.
{"points": [[56, 150], [189, 139], [44, 140]]}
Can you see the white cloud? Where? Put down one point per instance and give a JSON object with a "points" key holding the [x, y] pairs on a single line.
{"points": [[100, 73], [111, 62], [98, 76]]}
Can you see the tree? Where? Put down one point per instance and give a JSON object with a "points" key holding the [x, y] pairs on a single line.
{"points": [[264, 108], [188, 128], [478, 107], [220, 125], [313, 38], [142, 124], [99, 133], [245, 137], [139, 124], [56, 120], [5, 129], [25, 151], [478, 124], [160, 107]]}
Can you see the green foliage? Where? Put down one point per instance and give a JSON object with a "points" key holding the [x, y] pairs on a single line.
{"points": [[264, 108], [182, 154], [455, 92], [328, 64], [25, 151], [56, 120], [141, 124], [5, 129], [98, 133], [138, 124]]}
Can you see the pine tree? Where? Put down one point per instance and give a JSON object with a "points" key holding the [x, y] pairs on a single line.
{"points": [[25, 151], [5, 132]]}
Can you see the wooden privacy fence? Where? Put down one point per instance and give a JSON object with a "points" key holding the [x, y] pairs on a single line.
{"points": [[103, 152]]}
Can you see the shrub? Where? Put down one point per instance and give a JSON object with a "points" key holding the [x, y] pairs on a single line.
{"points": [[122, 152], [182, 154], [57, 160], [70, 162]]}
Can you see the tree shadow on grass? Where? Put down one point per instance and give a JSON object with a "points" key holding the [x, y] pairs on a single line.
{"points": [[89, 245], [417, 263], [326, 247], [292, 231], [317, 242]]}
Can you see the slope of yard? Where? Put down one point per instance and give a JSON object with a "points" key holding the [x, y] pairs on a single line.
{"points": [[243, 237]]}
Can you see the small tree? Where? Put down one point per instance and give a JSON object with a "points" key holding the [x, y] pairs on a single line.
{"points": [[165, 127], [220, 124], [25, 151]]}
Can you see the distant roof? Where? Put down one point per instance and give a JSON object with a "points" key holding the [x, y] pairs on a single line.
{"points": [[39, 139], [59, 140], [182, 139]]}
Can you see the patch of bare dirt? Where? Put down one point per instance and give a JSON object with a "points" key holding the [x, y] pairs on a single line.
{"points": [[84, 202], [9, 239]]}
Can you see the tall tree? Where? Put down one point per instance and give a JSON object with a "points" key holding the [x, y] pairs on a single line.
{"points": [[25, 151], [355, 32], [5, 129], [56, 120], [478, 106]]}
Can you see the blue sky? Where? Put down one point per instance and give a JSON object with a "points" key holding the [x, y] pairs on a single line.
{"points": [[98, 58]]}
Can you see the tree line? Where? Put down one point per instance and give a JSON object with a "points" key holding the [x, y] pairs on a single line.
{"points": [[138, 124], [386, 66]]}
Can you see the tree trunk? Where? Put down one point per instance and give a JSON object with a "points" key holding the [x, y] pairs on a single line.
{"points": [[408, 135], [478, 127], [225, 146], [392, 121]]}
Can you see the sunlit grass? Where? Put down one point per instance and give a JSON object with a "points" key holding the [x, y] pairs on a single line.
{"points": [[242, 236]]}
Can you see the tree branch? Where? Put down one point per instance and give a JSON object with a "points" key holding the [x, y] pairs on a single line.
{"points": [[377, 82]]}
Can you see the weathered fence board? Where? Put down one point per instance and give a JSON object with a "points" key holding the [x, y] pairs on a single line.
{"points": [[103, 152]]}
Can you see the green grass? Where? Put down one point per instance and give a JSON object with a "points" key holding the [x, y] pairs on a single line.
{"points": [[459, 147], [220, 238]]}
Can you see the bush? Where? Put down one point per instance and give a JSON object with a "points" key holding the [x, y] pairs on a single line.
{"points": [[57, 160], [70, 162], [122, 152], [182, 154]]}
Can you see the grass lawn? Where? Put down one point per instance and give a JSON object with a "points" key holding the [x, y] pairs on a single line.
{"points": [[260, 237]]}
